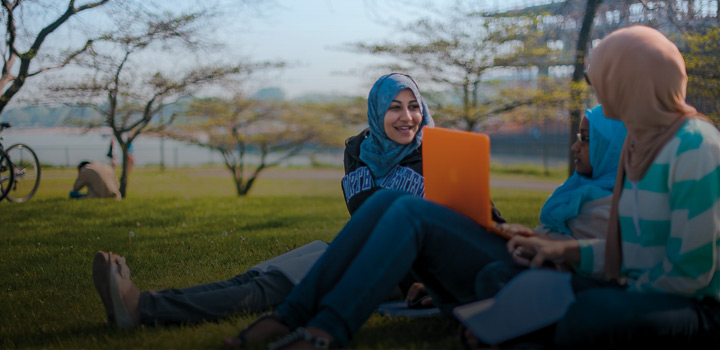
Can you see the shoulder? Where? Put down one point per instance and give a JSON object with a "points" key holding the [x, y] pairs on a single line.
{"points": [[352, 159], [697, 139], [353, 143], [693, 154]]}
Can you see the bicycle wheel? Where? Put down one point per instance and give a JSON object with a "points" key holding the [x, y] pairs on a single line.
{"points": [[27, 173], [7, 175]]}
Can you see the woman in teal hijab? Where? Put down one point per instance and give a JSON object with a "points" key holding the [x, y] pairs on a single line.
{"points": [[387, 154]]}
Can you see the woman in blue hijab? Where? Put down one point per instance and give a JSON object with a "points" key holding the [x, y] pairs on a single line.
{"points": [[580, 207], [388, 153]]}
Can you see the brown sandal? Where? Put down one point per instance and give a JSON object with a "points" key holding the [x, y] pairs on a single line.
{"points": [[302, 334], [241, 341]]}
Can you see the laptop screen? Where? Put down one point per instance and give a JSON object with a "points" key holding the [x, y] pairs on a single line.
{"points": [[456, 168]]}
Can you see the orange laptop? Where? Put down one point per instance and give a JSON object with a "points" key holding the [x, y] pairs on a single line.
{"points": [[456, 168]]}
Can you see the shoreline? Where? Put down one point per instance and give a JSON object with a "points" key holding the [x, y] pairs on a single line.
{"points": [[68, 130]]}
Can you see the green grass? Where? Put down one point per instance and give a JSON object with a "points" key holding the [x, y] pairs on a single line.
{"points": [[189, 228], [530, 171]]}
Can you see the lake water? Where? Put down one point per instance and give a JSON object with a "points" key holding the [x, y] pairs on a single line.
{"points": [[68, 147]]}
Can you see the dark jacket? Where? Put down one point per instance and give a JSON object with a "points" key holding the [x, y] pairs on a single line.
{"points": [[359, 184]]}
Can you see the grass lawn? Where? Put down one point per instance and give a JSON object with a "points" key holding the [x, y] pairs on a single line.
{"points": [[189, 228]]}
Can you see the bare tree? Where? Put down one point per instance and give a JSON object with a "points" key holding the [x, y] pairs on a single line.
{"points": [[128, 97], [13, 78], [274, 131]]}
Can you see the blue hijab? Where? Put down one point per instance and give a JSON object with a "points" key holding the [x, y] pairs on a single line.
{"points": [[606, 141], [379, 152]]}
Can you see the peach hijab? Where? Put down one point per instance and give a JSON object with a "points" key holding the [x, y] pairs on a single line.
{"points": [[639, 78]]}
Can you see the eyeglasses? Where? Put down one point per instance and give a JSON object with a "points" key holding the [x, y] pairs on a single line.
{"points": [[582, 139]]}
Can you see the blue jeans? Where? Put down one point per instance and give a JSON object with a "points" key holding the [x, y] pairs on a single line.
{"points": [[250, 292], [388, 236], [606, 315]]}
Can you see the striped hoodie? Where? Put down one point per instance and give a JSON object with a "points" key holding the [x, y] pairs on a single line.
{"points": [[670, 220]]}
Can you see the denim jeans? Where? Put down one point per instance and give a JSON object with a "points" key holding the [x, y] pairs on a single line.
{"points": [[606, 315], [250, 292], [388, 235]]}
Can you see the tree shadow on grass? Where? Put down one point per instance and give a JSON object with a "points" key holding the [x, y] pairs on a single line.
{"points": [[39, 338]]}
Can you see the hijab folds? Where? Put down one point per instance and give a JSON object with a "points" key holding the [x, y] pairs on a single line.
{"points": [[380, 153], [606, 140]]}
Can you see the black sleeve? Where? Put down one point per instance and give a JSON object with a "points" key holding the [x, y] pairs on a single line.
{"points": [[496, 216]]}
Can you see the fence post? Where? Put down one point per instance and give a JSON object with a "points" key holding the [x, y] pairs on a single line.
{"points": [[162, 153]]}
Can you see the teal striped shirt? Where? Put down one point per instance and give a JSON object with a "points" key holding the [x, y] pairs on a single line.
{"points": [[670, 219]]}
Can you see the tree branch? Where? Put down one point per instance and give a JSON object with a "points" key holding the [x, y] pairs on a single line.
{"points": [[66, 61]]}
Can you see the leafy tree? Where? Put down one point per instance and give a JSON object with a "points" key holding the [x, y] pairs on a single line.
{"points": [[458, 53], [272, 129], [702, 58], [16, 35], [128, 95]]}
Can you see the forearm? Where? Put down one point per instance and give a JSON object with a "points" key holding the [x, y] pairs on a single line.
{"points": [[535, 251], [683, 273]]}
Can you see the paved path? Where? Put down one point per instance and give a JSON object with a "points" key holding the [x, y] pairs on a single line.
{"points": [[337, 174], [534, 185]]}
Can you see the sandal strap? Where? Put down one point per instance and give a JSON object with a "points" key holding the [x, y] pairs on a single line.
{"points": [[268, 315], [301, 334]]}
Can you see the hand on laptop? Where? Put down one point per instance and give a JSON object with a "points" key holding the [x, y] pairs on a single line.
{"points": [[516, 229]]}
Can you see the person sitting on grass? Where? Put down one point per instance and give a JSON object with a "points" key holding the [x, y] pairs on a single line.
{"points": [[580, 207], [99, 179], [654, 282], [393, 233], [381, 157]]}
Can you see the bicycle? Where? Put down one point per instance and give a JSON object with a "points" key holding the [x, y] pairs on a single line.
{"points": [[19, 171]]}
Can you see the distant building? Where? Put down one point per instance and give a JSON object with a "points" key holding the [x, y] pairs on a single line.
{"points": [[561, 20]]}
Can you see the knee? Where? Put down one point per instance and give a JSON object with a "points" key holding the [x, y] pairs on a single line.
{"points": [[494, 277], [409, 206], [597, 317], [385, 197]]}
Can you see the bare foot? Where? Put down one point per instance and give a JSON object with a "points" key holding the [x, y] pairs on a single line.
{"points": [[100, 269], [111, 278], [264, 328]]}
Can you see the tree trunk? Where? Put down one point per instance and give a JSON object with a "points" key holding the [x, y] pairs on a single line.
{"points": [[576, 108], [125, 169], [239, 185]]}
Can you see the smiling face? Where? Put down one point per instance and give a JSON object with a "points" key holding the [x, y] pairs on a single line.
{"points": [[582, 151], [403, 117]]}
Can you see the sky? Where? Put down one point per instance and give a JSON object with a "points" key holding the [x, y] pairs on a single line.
{"points": [[308, 34]]}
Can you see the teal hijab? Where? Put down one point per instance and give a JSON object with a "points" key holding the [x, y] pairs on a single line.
{"points": [[606, 140], [380, 153]]}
